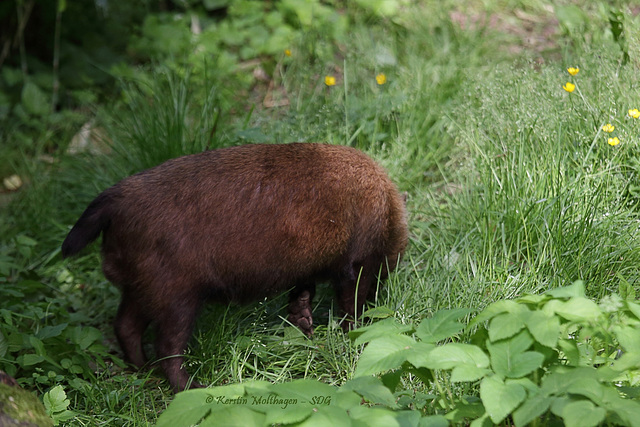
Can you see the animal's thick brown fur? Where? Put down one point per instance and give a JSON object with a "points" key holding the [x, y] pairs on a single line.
{"points": [[235, 225]]}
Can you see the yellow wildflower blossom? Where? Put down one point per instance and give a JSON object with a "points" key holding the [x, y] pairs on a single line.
{"points": [[381, 78], [613, 141], [634, 113], [330, 80], [569, 87], [287, 52], [608, 128], [573, 70]]}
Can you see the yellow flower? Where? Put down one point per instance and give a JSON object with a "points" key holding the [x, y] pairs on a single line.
{"points": [[330, 80], [381, 79], [608, 128], [613, 141], [573, 70], [287, 52], [569, 87], [634, 113]]}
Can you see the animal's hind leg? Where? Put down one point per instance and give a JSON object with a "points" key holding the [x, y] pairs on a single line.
{"points": [[130, 325], [173, 333], [355, 286], [300, 307]]}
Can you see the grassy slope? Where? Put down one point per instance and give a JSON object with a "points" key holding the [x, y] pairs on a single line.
{"points": [[512, 189]]}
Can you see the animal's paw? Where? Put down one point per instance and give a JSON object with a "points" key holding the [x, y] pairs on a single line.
{"points": [[300, 313]]}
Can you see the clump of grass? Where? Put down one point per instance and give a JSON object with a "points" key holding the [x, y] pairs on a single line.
{"points": [[544, 197]]}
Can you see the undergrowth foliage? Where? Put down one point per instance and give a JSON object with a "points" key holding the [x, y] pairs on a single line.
{"points": [[535, 360], [45, 341], [522, 176]]}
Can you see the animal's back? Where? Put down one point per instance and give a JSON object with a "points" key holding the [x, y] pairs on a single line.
{"points": [[260, 215]]}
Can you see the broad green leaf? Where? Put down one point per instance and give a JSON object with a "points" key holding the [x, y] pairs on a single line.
{"points": [[465, 410], [379, 312], [504, 326], [492, 310], [525, 363], [577, 309], [592, 389], [634, 308], [84, 336], [384, 354], [532, 299], [391, 379], [558, 404], [37, 345], [372, 390], [570, 350], [277, 415], [467, 373], [346, 399], [303, 390], [449, 356], [574, 290], [560, 381], [420, 354], [531, 387], [628, 361], [55, 400], [483, 421], [30, 359], [443, 324], [509, 358], [433, 421], [21, 239], [373, 417], [544, 328], [582, 413], [532, 408], [407, 418], [383, 328], [625, 289], [51, 331], [628, 337], [628, 410], [500, 399], [189, 407], [34, 100], [230, 416], [328, 416], [516, 344]]}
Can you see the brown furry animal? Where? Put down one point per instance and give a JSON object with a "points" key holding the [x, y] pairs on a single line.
{"points": [[238, 224]]}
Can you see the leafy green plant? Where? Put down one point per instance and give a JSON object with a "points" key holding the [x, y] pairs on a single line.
{"points": [[555, 356], [552, 355], [300, 402], [57, 404], [41, 341]]}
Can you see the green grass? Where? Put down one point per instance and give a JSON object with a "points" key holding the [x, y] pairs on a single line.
{"points": [[512, 189]]}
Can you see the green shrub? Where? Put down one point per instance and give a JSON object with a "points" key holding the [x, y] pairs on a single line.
{"points": [[43, 341], [534, 360]]}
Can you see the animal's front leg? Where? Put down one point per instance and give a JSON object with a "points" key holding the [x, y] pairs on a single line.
{"points": [[300, 300]]}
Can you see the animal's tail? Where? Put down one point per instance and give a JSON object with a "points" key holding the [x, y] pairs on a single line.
{"points": [[95, 219]]}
